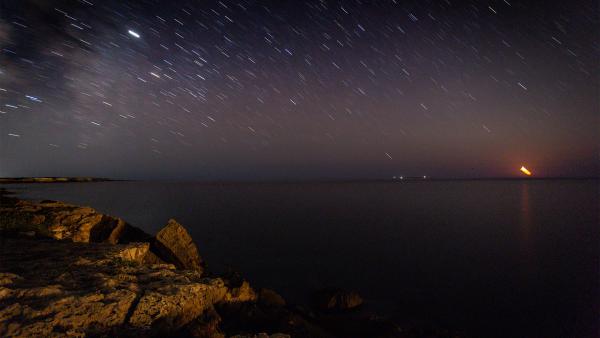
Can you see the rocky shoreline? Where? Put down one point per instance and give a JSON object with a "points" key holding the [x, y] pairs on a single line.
{"points": [[68, 270]]}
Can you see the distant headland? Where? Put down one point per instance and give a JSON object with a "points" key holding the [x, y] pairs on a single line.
{"points": [[6, 180]]}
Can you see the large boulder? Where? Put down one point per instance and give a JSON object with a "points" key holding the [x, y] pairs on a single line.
{"points": [[173, 244]]}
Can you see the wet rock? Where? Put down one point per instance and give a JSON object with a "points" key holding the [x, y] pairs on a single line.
{"points": [[173, 244], [332, 299]]}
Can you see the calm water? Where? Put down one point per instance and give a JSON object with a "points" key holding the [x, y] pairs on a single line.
{"points": [[495, 258]]}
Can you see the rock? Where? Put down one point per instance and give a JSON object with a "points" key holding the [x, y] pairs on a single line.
{"points": [[241, 294], [61, 288], [269, 298], [205, 326], [151, 259], [64, 221], [7, 278], [38, 219], [336, 300], [170, 307], [68, 314], [127, 233], [135, 252], [173, 244]]}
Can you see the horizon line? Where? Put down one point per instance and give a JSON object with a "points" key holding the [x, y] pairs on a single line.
{"points": [[88, 179]]}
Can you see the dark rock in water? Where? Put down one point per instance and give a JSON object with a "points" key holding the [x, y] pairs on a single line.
{"points": [[332, 299], [270, 298], [252, 317], [173, 244]]}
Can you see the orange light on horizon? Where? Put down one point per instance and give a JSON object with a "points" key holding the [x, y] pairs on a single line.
{"points": [[525, 171]]}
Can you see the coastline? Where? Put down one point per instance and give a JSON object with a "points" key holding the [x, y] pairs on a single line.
{"points": [[82, 263], [17, 180]]}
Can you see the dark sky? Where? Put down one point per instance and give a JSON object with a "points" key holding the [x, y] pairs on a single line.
{"points": [[298, 89]]}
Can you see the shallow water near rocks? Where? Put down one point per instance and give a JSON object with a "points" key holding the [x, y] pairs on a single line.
{"points": [[494, 258]]}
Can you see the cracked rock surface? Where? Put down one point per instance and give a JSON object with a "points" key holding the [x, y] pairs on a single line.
{"points": [[56, 288]]}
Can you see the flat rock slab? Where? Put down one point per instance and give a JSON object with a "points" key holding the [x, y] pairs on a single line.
{"points": [[65, 221], [59, 288]]}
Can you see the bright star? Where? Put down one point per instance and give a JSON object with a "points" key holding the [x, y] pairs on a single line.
{"points": [[134, 34]]}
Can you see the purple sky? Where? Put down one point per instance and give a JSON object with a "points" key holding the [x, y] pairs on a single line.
{"points": [[298, 89]]}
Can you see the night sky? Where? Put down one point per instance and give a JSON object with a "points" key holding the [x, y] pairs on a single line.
{"points": [[298, 89]]}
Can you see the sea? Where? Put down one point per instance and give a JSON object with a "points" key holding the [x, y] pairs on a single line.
{"points": [[491, 258]]}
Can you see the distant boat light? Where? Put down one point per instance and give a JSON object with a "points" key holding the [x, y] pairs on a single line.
{"points": [[134, 34], [525, 171]]}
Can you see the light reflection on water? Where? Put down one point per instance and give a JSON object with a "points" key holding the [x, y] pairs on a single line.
{"points": [[525, 219]]}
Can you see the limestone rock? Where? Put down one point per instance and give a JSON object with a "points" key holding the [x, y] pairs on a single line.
{"points": [[241, 294], [173, 244], [63, 288], [135, 252], [172, 306], [65, 221]]}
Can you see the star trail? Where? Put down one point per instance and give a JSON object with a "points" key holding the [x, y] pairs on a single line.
{"points": [[298, 89]]}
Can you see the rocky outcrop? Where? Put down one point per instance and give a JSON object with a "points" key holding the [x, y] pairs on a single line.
{"points": [[174, 244], [71, 271], [65, 221], [62, 221], [56, 288], [67, 270]]}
